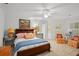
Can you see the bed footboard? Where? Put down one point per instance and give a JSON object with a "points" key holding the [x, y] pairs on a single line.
{"points": [[34, 51]]}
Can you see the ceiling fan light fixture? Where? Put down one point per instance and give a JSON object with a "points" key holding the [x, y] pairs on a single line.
{"points": [[45, 16]]}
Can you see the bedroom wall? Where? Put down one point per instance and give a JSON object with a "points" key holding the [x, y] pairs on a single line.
{"points": [[2, 23], [65, 23], [13, 15], [12, 19]]}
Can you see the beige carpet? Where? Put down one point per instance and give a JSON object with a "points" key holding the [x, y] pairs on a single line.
{"points": [[60, 50]]}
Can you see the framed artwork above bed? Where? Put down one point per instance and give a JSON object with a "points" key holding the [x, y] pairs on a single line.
{"points": [[24, 24]]}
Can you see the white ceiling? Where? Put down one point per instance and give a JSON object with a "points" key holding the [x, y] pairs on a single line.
{"points": [[61, 10]]}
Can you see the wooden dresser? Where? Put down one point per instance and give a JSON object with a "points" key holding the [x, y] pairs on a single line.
{"points": [[5, 51]]}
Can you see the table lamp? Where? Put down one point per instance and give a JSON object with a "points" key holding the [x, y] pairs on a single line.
{"points": [[10, 32]]}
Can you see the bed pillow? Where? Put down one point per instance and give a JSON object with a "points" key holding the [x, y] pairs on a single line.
{"points": [[29, 35], [20, 35]]}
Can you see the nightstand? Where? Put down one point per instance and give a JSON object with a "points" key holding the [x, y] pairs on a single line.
{"points": [[8, 41], [39, 35], [5, 51]]}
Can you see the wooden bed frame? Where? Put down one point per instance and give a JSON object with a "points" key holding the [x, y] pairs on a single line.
{"points": [[32, 51]]}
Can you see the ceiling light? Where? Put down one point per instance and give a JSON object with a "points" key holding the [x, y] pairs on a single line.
{"points": [[45, 16]]}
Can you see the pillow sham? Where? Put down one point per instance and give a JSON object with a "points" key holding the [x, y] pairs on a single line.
{"points": [[20, 35], [29, 35]]}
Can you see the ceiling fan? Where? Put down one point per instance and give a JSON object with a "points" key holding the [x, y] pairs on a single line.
{"points": [[49, 11]]}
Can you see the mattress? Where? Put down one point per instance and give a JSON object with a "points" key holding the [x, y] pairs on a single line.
{"points": [[29, 47]]}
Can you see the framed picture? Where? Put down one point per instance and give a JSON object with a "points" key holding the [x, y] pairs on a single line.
{"points": [[24, 24]]}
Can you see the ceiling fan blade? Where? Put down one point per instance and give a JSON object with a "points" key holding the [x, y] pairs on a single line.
{"points": [[60, 5]]}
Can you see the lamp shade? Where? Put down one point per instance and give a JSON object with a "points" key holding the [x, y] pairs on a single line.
{"points": [[10, 30]]}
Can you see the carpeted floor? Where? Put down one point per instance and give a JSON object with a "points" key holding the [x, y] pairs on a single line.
{"points": [[60, 50]]}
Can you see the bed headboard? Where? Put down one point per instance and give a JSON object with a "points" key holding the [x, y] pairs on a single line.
{"points": [[24, 31]]}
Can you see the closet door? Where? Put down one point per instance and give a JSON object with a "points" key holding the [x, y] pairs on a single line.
{"points": [[44, 29]]}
